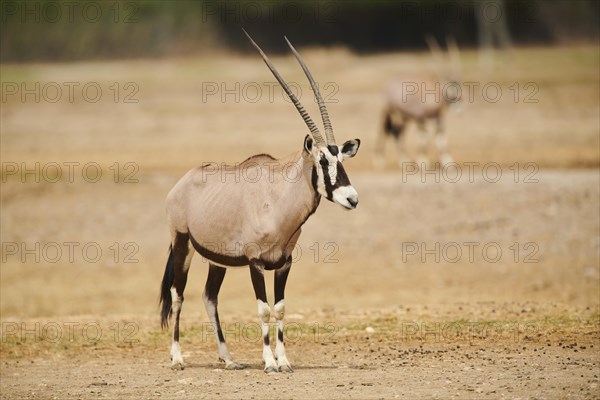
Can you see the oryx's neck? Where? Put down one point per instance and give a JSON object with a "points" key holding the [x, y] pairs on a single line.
{"points": [[299, 190]]}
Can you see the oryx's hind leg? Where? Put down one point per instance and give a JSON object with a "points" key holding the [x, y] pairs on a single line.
{"points": [[279, 309], [182, 254], [394, 126], [441, 142], [264, 312], [211, 292], [423, 140]]}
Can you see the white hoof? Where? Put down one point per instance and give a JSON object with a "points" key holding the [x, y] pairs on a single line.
{"points": [[271, 368], [286, 368], [177, 365], [231, 365], [284, 365], [176, 358]]}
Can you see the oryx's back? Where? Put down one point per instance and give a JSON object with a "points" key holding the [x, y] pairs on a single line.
{"points": [[222, 190], [225, 207], [419, 98]]}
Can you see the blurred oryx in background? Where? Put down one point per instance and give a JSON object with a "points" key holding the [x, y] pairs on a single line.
{"points": [[421, 100]]}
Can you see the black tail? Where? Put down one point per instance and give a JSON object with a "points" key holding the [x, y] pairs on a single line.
{"points": [[165, 291]]}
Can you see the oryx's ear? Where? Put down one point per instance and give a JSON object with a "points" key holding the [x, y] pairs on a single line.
{"points": [[350, 148], [308, 144]]}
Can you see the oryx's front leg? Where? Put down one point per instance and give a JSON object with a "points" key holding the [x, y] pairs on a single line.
{"points": [[211, 301], [279, 308], [264, 312]]}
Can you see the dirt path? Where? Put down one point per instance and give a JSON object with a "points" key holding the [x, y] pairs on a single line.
{"points": [[406, 354]]}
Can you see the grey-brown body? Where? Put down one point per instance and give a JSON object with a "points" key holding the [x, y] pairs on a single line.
{"points": [[251, 214], [253, 210]]}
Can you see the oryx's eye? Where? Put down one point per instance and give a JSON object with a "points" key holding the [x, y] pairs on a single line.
{"points": [[323, 161]]}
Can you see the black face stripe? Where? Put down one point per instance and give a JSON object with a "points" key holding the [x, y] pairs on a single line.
{"points": [[342, 178], [333, 149], [326, 179]]}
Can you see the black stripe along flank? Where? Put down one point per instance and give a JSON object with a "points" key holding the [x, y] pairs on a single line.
{"points": [[219, 258], [231, 261]]}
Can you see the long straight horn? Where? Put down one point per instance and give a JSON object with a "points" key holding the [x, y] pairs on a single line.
{"points": [[315, 88], [434, 47], [309, 122], [454, 54], [436, 52]]}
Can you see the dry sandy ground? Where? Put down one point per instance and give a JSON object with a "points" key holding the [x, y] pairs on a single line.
{"points": [[470, 288], [502, 362], [514, 350]]}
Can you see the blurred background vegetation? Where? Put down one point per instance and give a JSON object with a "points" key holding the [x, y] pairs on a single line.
{"points": [[82, 29]]}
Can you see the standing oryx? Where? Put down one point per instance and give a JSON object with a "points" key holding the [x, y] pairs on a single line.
{"points": [[421, 100], [254, 221]]}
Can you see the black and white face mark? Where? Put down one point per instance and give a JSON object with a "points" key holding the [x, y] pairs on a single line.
{"points": [[331, 180]]}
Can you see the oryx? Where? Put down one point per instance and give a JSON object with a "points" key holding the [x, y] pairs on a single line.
{"points": [[255, 221], [421, 100]]}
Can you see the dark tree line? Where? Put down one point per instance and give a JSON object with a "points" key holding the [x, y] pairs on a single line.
{"points": [[84, 29]]}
